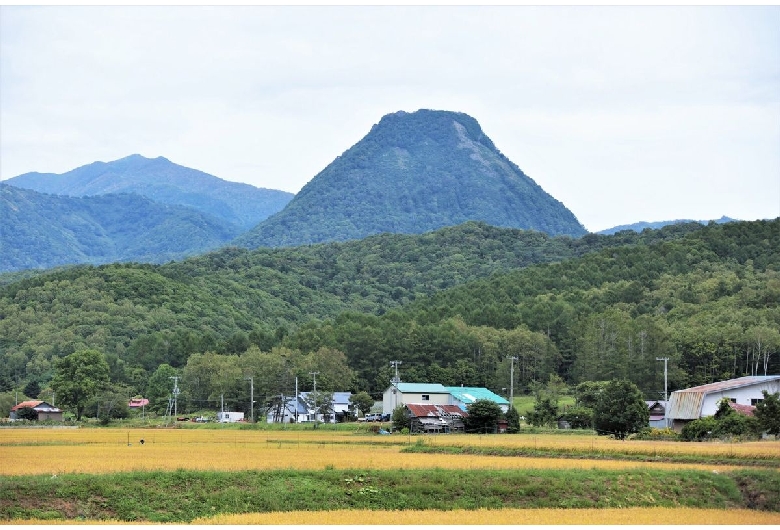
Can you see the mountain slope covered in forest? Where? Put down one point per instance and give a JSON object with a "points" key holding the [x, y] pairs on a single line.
{"points": [[40, 230], [163, 181], [413, 173]]}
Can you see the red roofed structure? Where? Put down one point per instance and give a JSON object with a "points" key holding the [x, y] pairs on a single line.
{"points": [[44, 410], [137, 403], [431, 418]]}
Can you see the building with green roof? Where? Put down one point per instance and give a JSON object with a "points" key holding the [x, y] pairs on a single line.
{"points": [[436, 394], [465, 396]]}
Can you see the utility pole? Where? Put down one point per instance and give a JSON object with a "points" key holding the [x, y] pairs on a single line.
{"points": [[176, 393], [512, 381], [316, 409], [296, 400], [395, 382], [666, 395], [251, 397]]}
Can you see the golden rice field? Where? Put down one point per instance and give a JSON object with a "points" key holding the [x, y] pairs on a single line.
{"points": [[60, 451], [607, 516], [95, 451], [632, 516]]}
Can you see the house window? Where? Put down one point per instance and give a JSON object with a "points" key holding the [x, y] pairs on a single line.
{"points": [[755, 402], [733, 400], [426, 397]]}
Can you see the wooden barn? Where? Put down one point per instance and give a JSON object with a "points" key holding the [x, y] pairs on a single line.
{"points": [[433, 419]]}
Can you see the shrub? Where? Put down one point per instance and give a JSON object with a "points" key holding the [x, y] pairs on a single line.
{"points": [[579, 417], [698, 430], [27, 413]]}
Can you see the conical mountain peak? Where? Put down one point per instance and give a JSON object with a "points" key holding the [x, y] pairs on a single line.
{"points": [[413, 173]]}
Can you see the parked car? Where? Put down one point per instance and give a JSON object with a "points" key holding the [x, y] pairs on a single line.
{"points": [[373, 417]]}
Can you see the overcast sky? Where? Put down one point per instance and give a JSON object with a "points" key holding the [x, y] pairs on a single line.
{"points": [[624, 114]]}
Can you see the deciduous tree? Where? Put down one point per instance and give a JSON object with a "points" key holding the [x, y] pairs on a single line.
{"points": [[79, 377]]}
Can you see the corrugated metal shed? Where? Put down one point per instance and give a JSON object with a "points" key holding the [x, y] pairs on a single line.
{"points": [[419, 410], [687, 404]]}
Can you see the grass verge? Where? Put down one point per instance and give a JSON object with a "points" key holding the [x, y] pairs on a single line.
{"points": [[730, 460], [183, 496]]}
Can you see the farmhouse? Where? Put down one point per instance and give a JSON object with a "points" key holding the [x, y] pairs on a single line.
{"points": [[288, 410], [291, 409], [657, 411], [138, 403], [436, 394], [699, 401], [424, 393], [431, 419], [43, 409]]}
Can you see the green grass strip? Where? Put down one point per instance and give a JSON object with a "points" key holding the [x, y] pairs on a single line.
{"points": [[182, 496], [731, 460]]}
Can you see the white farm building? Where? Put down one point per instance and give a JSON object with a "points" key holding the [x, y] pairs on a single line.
{"points": [[699, 401]]}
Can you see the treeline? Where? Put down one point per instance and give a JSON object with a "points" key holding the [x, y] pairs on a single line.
{"points": [[706, 297]]}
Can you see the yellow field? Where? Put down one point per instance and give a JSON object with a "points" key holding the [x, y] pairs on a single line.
{"points": [[59, 451], [608, 516], [632, 516]]}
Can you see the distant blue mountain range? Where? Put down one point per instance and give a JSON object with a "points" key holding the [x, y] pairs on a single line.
{"points": [[638, 227]]}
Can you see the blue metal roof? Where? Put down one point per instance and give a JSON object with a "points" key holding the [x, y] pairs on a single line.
{"points": [[469, 395], [418, 388]]}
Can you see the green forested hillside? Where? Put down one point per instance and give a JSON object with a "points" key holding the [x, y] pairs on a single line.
{"points": [[39, 230], [707, 297], [163, 181], [412, 173]]}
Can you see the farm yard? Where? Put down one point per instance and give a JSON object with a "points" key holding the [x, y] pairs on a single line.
{"points": [[265, 476]]}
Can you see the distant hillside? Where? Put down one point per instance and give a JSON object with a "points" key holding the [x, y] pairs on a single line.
{"points": [[163, 181], [39, 230], [638, 227], [413, 173]]}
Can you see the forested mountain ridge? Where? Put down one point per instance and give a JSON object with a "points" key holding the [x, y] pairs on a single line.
{"points": [[39, 230], [642, 225], [413, 173], [700, 295], [163, 181]]}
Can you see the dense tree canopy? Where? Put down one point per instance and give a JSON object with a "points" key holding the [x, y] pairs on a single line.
{"points": [[706, 297], [78, 377], [620, 410]]}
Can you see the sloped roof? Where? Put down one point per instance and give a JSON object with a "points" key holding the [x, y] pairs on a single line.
{"points": [[732, 384], [27, 404], [469, 395], [687, 404], [418, 388], [341, 397], [747, 410], [420, 410], [35, 404]]}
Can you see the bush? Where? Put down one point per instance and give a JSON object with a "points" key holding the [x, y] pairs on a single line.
{"points": [[512, 420], [400, 420], [483, 416], [698, 430], [652, 433], [579, 417], [27, 413]]}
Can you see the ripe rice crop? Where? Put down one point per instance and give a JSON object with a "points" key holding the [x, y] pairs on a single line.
{"points": [[60, 451], [608, 516]]}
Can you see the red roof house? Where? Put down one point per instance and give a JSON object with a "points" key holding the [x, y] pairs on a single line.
{"points": [[137, 403], [44, 410]]}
